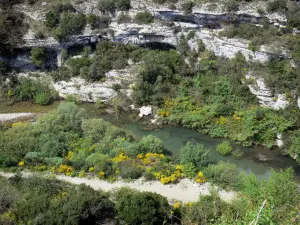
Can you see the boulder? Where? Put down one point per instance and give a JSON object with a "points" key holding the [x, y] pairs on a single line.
{"points": [[145, 111]]}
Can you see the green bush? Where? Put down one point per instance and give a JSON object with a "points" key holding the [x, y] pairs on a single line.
{"points": [[13, 27], [231, 5], [143, 18], [52, 19], [189, 170], [95, 158], [224, 148], [73, 98], [128, 170], [150, 143], [201, 46], [3, 68], [39, 56], [43, 98], [70, 24], [75, 64], [224, 174], [277, 5], [123, 18], [207, 209], [28, 89], [98, 21], [137, 208], [187, 6], [107, 6], [195, 154], [123, 5]]}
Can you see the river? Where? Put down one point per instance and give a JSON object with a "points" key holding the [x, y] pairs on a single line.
{"points": [[174, 137]]}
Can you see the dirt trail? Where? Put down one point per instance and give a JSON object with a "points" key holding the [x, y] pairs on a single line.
{"points": [[185, 191]]}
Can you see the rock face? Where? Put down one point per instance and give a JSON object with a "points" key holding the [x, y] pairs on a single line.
{"points": [[279, 141], [264, 94], [145, 111], [90, 92]]}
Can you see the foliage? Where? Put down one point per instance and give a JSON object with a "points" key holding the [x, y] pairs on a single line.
{"points": [[224, 174], [143, 18], [277, 5], [224, 148], [50, 202], [256, 34], [12, 29], [28, 89], [141, 207], [187, 6], [69, 24], [98, 21], [38, 56], [123, 18], [109, 6], [128, 169], [194, 153]]}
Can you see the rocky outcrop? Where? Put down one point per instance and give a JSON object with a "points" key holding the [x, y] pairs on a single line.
{"points": [[90, 92], [142, 34], [145, 111], [264, 94]]}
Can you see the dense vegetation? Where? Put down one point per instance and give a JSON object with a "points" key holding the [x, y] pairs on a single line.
{"points": [[65, 142], [188, 86]]}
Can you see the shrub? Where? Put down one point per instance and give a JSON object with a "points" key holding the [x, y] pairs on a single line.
{"points": [[52, 19], [143, 18], [3, 68], [123, 18], [231, 5], [224, 174], [73, 98], [12, 29], [28, 89], [43, 98], [224, 148], [137, 208], [201, 46], [128, 170], [95, 158], [39, 56], [70, 24], [189, 170], [75, 64], [187, 6], [123, 5], [151, 144], [98, 21], [107, 6], [207, 209], [277, 5], [194, 153]]}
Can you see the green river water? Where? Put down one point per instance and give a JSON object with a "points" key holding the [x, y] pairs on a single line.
{"points": [[174, 137]]}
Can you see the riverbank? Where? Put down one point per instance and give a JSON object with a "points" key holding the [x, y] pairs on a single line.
{"points": [[10, 117], [174, 137], [186, 190]]}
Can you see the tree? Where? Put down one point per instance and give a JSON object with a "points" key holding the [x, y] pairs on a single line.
{"points": [[70, 24], [12, 29], [194, 153], [138, 208]]}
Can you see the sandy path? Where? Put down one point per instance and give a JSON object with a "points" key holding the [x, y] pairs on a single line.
{"points": [[12, 116], [185, 191]]}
